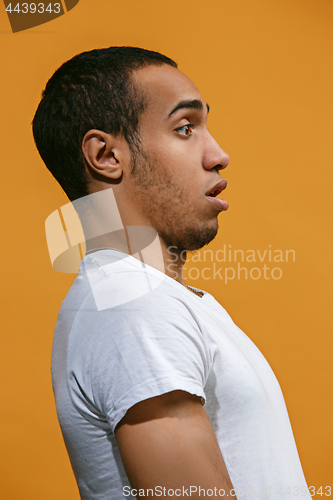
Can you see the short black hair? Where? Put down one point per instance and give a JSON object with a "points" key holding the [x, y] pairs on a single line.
{"points": [[93, 90]]}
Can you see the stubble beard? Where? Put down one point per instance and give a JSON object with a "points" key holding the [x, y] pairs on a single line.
{"points": [[168, 208]]}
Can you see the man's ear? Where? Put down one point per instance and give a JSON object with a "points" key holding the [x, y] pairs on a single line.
{"points": [[105, 153]]}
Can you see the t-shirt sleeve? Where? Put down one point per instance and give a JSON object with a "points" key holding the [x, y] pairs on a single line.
{"points": [[144, 349]]}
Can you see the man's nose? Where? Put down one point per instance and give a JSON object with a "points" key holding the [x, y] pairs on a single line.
{"points": [[215, 156]]}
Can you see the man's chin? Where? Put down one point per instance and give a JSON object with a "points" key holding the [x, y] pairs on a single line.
{"points": [[191, 239]]}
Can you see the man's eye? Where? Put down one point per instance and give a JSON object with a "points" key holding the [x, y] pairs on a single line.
{"points": [[185, 129]]}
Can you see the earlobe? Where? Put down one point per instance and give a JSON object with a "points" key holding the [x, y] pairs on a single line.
{"points": [[99, 150]]}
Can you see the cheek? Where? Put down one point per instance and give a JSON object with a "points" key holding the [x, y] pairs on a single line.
{"points": [[171, 149], [176, 161]]}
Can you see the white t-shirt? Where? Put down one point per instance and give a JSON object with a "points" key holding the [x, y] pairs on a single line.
{"points": [[109, 353]]}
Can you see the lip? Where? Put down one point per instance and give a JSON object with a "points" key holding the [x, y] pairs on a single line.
{"points": [[219, 203]]}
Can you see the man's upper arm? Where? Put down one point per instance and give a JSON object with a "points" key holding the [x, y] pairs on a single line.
{"points": [[168, 442]]}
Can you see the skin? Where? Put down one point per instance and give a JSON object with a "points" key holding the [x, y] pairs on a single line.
{"points": [[183, 160], [168, 440]]}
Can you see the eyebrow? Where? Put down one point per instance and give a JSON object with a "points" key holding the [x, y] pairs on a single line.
{"points": [[193, 104]]}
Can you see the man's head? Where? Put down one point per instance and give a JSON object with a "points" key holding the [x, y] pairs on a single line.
{"points": [[93, 90], [160, 159]]}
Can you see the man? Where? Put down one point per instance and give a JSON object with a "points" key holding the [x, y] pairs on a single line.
{"points": [[158, 393]]}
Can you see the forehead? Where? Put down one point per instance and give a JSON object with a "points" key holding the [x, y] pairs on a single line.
{"points": [[165, 86]]}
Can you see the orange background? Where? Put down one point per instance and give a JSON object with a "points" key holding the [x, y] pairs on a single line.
{"points": [[265, 68]]}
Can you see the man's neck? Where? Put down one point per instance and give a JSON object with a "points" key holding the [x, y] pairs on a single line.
{"points": [[144, 244]]}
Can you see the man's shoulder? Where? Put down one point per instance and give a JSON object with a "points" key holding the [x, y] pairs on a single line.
{"points": [[121, 282]]}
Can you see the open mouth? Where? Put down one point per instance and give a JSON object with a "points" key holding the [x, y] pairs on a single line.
{"points": [[218, 202], [213, 194]]}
